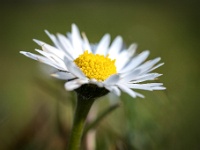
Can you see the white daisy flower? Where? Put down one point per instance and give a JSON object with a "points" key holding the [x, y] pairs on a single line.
{"points": [[106, 65]]}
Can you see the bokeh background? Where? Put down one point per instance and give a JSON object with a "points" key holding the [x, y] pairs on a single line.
{"points": [[35, 110]]}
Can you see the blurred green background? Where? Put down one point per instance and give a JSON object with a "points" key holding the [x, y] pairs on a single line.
{"points": [[35, 110]]}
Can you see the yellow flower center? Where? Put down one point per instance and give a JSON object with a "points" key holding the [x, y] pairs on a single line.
{"points": [[96, 66]]}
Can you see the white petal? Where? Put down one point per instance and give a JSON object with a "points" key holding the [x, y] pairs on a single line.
{"points": [[40, 43], [33, 56], [76, 39], [148, 86], [74, 69], [157, 66], [94, 81], [124, 57], [154, 84], [115, 47], [136, 61], [74, 84], [112, 80], [69, 50], [114, 89], [93, 47], [103, 45], [82, 81], [42, 59], [48, 48], [69, 36], [127, 90], [139, 86], [132, 49], [148, 65], [129, 76], [145, 77], [54, 40], [86, 43], [63, 75], [139, 95], [159, 88], [69, 86], [54, 59]]}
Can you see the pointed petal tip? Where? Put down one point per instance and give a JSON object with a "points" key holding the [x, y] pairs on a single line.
{"points": [[72, 85], [162, 63], [22, 52], [38, 42], [119, 37], [25, 53], [157, 59], [133, 46], [47, 32], [163, 88], [35, 40], [147, 52], [107, 35], [54, 75], [74, 27], [73, 24], [69, 87], [38, 50]]}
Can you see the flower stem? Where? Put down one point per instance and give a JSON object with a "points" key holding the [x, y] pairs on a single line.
{"points": [[83, 106]]}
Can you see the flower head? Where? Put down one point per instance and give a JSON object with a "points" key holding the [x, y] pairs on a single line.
{"points": [[93, 66], [106, 66]]}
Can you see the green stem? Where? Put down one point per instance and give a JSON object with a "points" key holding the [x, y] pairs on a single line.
{"points": [[83, 106]]}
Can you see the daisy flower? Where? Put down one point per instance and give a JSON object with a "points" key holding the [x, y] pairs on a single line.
{"points": [[107, 66]]}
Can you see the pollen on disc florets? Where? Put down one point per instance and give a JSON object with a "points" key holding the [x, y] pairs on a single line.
{"points": [[96, 66]]}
